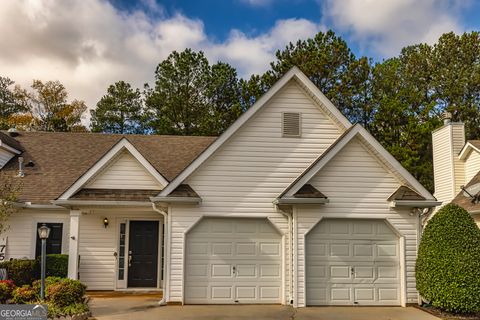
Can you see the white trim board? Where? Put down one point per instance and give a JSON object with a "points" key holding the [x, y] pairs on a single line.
{"points": [[465, 150], [293, 73], [122, 145], [325, 158]]}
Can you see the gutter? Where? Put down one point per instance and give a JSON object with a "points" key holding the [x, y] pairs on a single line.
{"points": [[167, 199], [415, 203], [166, 241], [292, 200], [101, 203], [29, 205]]}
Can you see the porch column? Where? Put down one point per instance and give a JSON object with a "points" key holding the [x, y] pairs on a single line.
{"points": [[73, 244]]}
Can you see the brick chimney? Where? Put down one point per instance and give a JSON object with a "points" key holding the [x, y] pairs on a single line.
{"points": [[448, 169]]}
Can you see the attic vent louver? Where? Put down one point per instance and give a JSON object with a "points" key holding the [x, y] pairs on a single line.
{"points": [[291, 124]]}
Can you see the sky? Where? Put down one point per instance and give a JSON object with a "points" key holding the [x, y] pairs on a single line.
{"points": [[89, 44]]}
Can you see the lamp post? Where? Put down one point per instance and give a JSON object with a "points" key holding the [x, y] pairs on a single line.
{"points": [[43, 233]]}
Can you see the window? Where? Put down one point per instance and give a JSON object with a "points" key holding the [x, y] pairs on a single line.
{"points": [[54, 241], [121, 254], [291, 124]]}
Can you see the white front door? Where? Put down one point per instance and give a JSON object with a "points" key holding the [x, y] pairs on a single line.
{"points": [[352, 262], [233, 260]]}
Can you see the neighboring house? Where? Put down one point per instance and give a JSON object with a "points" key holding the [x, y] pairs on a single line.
{"points": [[456, 165], [292, 204]]}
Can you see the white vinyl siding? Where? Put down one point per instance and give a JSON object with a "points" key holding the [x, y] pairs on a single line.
{"points": [[5, 156], [458, 141], [98, 244], [251, 169], [443, 164], [125, 172], [357, 186], [472, 165], [22, 232]]}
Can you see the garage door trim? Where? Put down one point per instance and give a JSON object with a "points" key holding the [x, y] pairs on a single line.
{"points": [[267, 218], [398, 233]]}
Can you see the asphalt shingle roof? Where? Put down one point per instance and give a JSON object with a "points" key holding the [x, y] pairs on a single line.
{"points": [[60, 158]]}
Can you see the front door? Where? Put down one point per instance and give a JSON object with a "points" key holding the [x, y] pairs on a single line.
{"points": [[143, 254]]}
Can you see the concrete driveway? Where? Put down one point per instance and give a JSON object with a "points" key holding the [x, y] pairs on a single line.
{"points": [[139, 307]]}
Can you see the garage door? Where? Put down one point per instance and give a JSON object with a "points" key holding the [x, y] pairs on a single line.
{"points": [[352, 262], [233, 261]]}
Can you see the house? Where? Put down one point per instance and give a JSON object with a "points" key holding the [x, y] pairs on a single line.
{"points": [[456, 166], [291, 205]]}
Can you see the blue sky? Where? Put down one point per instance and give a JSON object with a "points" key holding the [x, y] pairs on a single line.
{"points": [[90, 44]]}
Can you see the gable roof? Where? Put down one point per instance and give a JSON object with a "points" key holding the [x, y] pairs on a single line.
{"points": [[356, 131], [293, 74], [103, 162], [60, 158], [405, 193], [470, 145], [466, 201]]}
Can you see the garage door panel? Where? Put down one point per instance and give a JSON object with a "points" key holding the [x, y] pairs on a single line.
{"points": [[360, 266], [242, 260]]}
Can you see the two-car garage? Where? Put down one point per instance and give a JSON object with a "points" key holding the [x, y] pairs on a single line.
{"points": [[348, 262]]}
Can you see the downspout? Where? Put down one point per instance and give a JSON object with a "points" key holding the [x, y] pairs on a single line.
{"points": [[166, 246], [290, 251]]}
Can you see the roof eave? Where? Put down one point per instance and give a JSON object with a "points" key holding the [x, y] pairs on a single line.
{"points": [[8, 148], [291, 200], [415, 203], [101, 203], [185, 200]]}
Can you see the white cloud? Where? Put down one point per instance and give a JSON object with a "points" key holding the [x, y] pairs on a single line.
{"points": [[89, 44], [386, 26]]}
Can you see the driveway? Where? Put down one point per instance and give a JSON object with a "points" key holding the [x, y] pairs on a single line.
{"points": [[139, 307]]}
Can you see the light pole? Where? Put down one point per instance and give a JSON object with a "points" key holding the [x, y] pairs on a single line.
{"points": [[43, 233]]}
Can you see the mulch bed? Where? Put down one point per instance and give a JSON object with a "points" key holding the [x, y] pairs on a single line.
{"points": [[447, 315]]}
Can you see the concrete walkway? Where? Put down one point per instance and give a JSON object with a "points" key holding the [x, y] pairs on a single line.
{"points": [[139, 307]]}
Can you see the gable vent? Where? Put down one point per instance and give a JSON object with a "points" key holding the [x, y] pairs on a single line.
{"points": [[291, 124]]}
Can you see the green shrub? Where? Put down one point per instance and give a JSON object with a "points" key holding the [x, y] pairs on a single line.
{"points": [[21, 271], [6, 290], [448, 263], [65, 292], [57, 265], [37, 284], [24, 294], [55, 311]]}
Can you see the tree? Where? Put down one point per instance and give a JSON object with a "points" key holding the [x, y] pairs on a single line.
{"points": [[9, 104], [448, 264], [9, 189], [46, 108], [191, 97], [119, 111], [330, 64]]}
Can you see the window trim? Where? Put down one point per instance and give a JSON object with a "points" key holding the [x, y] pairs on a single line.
{"points": [[65, 233]]}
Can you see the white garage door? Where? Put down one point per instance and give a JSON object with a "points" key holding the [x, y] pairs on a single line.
{"points": [[233, 261], [352, 262]]}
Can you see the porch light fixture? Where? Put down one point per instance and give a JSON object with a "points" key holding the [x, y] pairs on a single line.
{"points": [[105, 222], [43, 233]]}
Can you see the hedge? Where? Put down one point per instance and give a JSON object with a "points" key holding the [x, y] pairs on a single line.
{"points": [[448, 263], [25, 271]]}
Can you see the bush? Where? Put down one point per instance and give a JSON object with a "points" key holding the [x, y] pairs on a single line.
{"points": [[37, 284], [6, 290], [21, 271], [448, 263], [70, 310], [66, 292], [24, 294], [57, 265]]}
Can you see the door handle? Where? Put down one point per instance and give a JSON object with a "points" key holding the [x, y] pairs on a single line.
{"points": [[352, 271], [234, 269], [129, 260]]}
